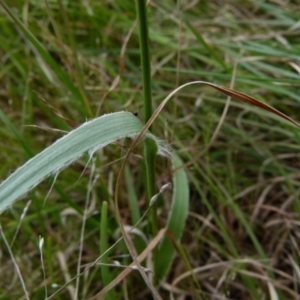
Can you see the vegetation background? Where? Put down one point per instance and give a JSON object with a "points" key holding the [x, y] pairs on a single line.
{"points": [[242, 237]]}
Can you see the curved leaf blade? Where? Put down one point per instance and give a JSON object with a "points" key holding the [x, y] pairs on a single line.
{"points": [[90, 136], [177, 217]]}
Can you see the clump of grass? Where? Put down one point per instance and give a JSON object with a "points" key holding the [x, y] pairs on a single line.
{"points": [[242, 182]]}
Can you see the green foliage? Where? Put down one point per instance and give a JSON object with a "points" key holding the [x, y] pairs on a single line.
{"points": [[238, 184]]}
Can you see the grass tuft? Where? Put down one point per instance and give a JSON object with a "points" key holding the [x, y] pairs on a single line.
{"points": [[229, 227]]}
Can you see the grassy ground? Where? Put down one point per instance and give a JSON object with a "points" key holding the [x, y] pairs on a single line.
{"points": [[242, 234]]}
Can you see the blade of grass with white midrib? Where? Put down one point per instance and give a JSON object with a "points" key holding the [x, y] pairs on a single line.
{"points": [[90, 136]]}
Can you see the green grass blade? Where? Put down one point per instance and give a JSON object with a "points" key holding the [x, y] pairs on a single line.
{"points": [[106, 278], [89, 137], [132, 197], [176, 220]]}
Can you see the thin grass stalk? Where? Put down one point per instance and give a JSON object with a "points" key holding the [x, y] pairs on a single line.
{"points": [[150, 150], [133, 200], [106, 276]]}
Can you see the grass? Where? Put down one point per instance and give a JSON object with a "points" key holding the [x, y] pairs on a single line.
{"points": [[240, 240]]}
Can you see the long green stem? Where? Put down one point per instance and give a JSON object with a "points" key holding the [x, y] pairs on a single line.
{"points": [[145, 57], [149, 151]]}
